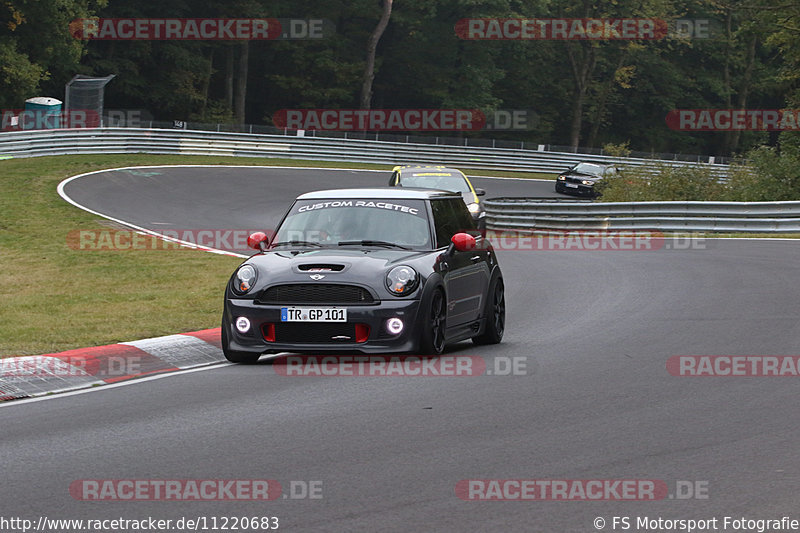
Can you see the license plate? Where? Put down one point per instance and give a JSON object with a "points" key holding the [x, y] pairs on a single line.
{"points": [[573, 185], [313, 314]]}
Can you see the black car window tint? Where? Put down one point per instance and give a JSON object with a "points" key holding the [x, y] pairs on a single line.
{"points": [[463, 218], [446, 221]]}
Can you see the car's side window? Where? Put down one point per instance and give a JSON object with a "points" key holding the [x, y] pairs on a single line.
{"points": [[463, 218], [445, 221], [450, 217]]}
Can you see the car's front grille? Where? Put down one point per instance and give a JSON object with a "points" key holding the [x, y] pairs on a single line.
{"points": [[317, 333], [315, 293]]}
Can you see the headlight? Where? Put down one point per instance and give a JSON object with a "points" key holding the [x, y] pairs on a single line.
{"points": [[474, 208], [562, 178], [245, 279], [587, 182], [402, 280]]}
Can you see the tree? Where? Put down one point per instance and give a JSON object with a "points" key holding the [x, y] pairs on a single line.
{"points": [[37, 51], [240, 99], [372, 45], [585, 56]]}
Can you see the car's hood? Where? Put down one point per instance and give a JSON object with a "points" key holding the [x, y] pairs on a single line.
{"points": [[582, 175], [365, 266]]}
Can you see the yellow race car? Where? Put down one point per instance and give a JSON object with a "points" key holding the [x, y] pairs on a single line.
{"points": [[442, 178]]}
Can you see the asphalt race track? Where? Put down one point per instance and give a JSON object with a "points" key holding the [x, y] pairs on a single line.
{"points": [[234, 197], [595, 329]]}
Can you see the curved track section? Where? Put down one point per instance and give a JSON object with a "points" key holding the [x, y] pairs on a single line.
{"points": [[191, 197], [595, 329]]}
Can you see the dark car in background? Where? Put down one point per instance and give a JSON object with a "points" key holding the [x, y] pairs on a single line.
{"points": [[580, 180], [365, 270], [442, 178]]}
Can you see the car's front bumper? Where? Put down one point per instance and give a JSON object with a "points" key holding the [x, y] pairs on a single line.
{"points": [[580, 190], [379, 340]]}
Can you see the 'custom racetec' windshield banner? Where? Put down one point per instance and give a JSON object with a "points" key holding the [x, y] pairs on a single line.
{"points": [[411, 207]]}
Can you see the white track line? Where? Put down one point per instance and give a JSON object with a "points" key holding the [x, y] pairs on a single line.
{"points": [[135, 381], [134, 226]]}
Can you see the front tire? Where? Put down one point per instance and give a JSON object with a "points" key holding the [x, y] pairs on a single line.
{"points": [[434, 325], [245, 358], [495, 315]]}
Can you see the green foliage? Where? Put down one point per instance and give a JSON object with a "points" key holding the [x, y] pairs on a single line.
{"points": [[38, 54], [763, 175], [686, 183], [662, 183], [626, 87], [617, 150], [19, 78], [215, 112], [766, 175]]}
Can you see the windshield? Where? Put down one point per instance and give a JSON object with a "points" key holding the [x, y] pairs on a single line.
{"points": [[436, 180], [589, 168], [345, 222]]}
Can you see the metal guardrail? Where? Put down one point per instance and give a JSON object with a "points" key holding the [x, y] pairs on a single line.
{"points": [[125, 120], [190, 142], [535, 214]]}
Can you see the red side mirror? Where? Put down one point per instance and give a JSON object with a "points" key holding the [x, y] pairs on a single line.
{"points": [[463, 242], [258, 241]]}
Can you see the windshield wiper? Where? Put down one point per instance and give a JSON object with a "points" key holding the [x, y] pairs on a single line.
{"points": [[367, 242], [297, 243]]}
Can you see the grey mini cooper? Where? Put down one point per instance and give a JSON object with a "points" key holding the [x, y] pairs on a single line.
{"points": [[383, 270]]}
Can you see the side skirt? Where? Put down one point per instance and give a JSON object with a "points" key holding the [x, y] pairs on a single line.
{"points": [[464, 331]]}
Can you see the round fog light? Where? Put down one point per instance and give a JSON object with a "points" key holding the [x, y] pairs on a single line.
{"points": [[242, 324], [394, 325]]}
